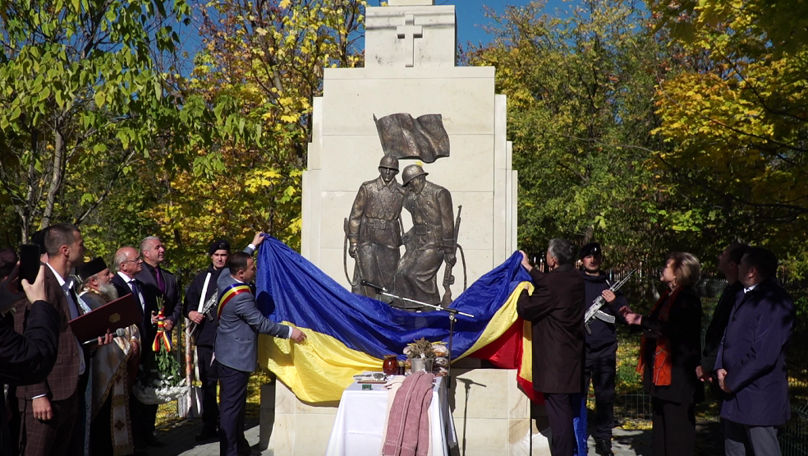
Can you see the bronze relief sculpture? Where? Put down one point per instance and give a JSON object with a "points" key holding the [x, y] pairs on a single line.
{"points": [[429, 242], [374, 230]]}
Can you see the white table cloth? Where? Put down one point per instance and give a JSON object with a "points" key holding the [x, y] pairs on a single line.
{"points": [[361, 419]]}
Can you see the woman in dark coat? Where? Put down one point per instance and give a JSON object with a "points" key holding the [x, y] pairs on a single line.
{"points": [[669, 354]]}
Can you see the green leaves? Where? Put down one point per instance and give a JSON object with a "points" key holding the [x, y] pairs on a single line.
{"points": [[80, 91], [579, 111], [736, 118]]}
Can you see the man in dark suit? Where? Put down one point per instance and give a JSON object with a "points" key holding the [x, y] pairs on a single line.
{"points": [[236, 351], [751, 362], [203, 290], [161, 284], [27, 357], [128, 263], [556, 309], [728, 263], [51, 410]]}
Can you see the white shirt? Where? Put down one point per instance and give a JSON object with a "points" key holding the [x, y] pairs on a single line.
{"points": [[61, 281], [128, 281]]}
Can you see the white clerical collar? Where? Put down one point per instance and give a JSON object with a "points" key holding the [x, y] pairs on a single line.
{"points": [[749, 288]]}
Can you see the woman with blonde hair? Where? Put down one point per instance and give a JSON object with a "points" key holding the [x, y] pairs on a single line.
{"points": [[669, 354]]}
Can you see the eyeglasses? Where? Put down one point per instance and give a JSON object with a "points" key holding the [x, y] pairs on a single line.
{"points": [[135, 260]]}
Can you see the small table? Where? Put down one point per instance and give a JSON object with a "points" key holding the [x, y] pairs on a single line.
{"points": [[362, 416]]}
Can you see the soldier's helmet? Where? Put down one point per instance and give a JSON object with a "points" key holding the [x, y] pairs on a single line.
{"points": [[389, 162], [411, 172]]}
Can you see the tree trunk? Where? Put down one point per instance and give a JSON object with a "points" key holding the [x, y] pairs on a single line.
{"points": [[57, 169]]}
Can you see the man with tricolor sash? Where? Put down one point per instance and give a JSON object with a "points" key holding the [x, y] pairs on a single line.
{"points": [[235, 351]]}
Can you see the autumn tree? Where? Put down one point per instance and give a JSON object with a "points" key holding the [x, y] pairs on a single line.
{"points": [[249, 97], [580, 112], [736, 119]]}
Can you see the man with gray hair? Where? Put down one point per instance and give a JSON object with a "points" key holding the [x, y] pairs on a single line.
{"points": [[129, 265], [556, 311], [160, 284]]}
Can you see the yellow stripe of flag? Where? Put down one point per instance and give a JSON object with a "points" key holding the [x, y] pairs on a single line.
{"points": [[319, 369]]}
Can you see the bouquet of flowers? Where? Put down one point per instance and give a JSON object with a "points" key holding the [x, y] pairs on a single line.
{"points": [[163, 381]]}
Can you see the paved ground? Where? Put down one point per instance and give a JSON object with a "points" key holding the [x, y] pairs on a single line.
{"points": [[180, 441]]}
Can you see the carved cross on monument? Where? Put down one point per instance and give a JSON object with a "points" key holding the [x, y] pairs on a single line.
{"points": [[409, 31]]}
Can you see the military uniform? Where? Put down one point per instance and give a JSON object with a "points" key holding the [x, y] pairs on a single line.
{"points": [[374, 230], [429, 240]]}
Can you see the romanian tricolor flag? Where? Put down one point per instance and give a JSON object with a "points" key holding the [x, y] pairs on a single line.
{"points": [[348, 334]]}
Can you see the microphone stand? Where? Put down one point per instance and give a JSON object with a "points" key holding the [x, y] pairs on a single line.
{"points": [[452, 314]]}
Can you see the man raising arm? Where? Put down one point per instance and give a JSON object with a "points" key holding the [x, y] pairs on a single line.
{"points": [[236, 346]]}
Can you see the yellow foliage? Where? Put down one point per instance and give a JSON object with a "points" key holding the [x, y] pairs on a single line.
{"points": [[290, 118]]}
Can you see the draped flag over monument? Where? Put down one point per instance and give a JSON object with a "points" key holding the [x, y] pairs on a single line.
{"points": [[348, 333]]}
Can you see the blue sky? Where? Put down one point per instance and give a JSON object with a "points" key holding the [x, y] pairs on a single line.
{"points": [[471, 19]]}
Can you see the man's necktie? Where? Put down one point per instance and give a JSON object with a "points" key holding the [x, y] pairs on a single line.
{"points": [[160, 283], [136, 291], [71, 301], [72, 305]]}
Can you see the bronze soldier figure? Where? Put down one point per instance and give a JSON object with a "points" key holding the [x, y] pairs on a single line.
{"points": [[429, 242], [374, 229]]}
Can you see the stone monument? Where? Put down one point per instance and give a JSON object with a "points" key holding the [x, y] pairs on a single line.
{"points": [[410, 55]]}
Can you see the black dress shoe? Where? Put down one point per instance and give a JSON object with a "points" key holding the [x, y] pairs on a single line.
{"points": [[249, 451], [603, 447], [153, 442], [244, 449], [207, 436]]}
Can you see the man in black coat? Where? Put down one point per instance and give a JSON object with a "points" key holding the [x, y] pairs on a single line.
{"points": [[28, 357], [197, 296], [751, 360], [128, 264], [556, 309], [160, 284], [728, 263], [601, 347]]}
